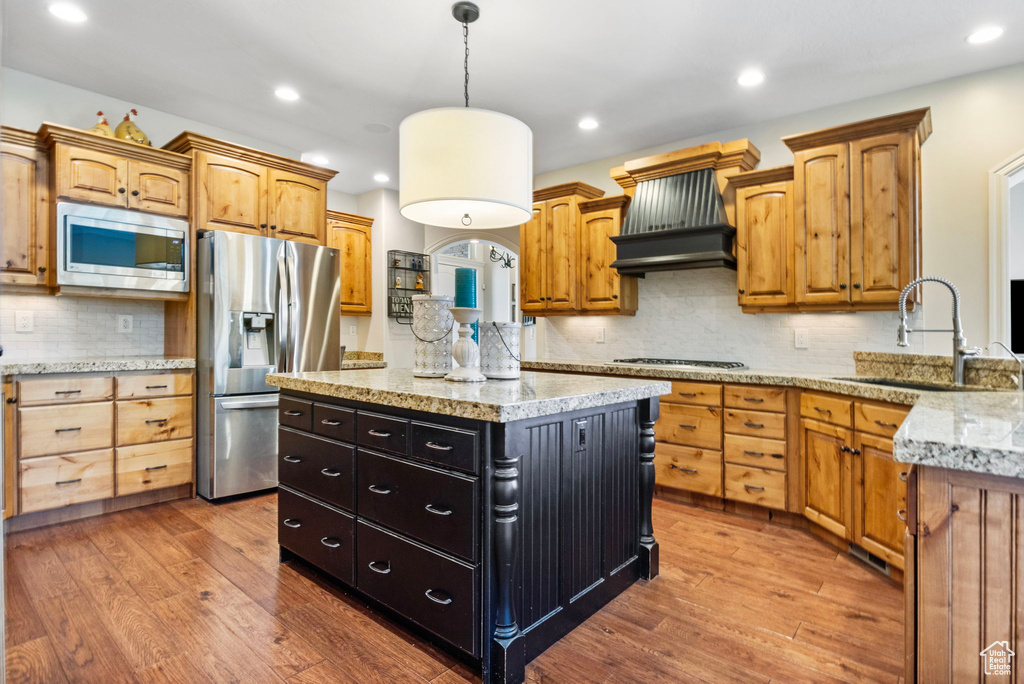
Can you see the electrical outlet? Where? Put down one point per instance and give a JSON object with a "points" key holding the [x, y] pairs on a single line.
{"points": [[599, 336], [531, 332], [351, 330], [800, 341], [24, 321], [124, 323]]}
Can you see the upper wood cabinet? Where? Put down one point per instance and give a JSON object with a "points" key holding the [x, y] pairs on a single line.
{"points": [[350, 235], [602, 288], [25, 209], [533, 237], [248, 191], [822, 189], [764, 236]]}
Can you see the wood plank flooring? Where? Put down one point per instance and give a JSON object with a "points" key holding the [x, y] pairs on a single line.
{"points": [[187, 592]]}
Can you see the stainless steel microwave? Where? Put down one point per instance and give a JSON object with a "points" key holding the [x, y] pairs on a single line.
{"points": [[119, 248]]}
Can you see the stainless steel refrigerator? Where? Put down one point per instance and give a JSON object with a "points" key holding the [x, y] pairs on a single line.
{"points": [[264, 305]]}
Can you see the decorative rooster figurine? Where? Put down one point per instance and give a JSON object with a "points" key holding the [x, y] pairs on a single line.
{"points": [[102, 127], [127, 130]]}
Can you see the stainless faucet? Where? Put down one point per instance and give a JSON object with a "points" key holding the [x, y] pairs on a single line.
{"points": [[960, 349], [1020, 363]]}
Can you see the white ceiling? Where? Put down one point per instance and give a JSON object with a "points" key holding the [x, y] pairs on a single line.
{"points": [[650, 71]]}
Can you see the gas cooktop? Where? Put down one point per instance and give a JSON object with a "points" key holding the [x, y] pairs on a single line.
{"points": [[682, 363]]}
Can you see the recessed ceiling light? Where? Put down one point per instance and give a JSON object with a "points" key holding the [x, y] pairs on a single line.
{"points": [[749, 78], [985, 34], [68, 12], [287, 93], [381, 177], [588, 124]]}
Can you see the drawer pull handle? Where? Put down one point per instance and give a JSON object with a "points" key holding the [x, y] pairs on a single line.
{"points": [[64, 482], [759, 454], [822, 410], [330, 542], [332, 423], [778, 456], [377, 433], [159, 421], [753, 425], [903, 476], [882, 423], [378, 490], [687, 394], [292, 523], [292, 459], [292, 412], [156, 386], [753, 488], [152, 468], [384, 570], [331, 472], [74, 429], [687, 427], [902, 514], [429, 593], [685, 470], [439, 447], [67, 392], [756, 400], [438, 511]]}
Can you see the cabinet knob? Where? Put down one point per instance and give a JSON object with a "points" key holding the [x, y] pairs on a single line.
{"points": [[42, 269], [135, 193], [615, 296], [842, 286], [263, 225], [856, 286], [273, 227], [121, 190], [742, 291]]}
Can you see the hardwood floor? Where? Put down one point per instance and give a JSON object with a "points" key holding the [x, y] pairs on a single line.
{"points": [[188, 592]]}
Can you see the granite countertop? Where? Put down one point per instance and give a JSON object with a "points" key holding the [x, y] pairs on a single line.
{"points": [[355, 364], [498, 401], [94, 365]]}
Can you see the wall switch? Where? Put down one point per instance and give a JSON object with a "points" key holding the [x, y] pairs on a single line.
{"points": [[24, 321], [124, 323], [351, 330], [531, 332], [800, 341], [599, 336]]}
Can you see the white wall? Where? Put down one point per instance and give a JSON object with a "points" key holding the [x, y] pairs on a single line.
{"points": [[1017, 230]]}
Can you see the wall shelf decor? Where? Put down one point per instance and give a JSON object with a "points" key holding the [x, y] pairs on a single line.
{"points": [[408, 275]]}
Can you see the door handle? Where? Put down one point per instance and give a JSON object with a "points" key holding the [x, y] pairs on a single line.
{"points": [[439, 447], [330, 542], [331, 423], [753, 488], [292, 459], [385, 569], [882, 423], [331, 472], [255, 404], [429, 593], [756, 400], [152, 468], [753, 425], [159, 421], [378, 490], [292, 523], [902, 514], [293, 412], [759, 454], [685, 470], [438, 511], [687, 427], [67, 392], [377, 433], [64, 482], [687, 394], [74, 429]]}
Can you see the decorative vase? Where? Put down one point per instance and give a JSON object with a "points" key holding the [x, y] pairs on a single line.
{"points": [[499, 350], [465, 350], [432, 325], [128, 130]]}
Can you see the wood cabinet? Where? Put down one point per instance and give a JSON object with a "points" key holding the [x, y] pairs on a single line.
{"points": [[827, 476], [25, 209], [231, 194], [764, 237], [350, 235], [879, 498], [822, 239], [602, 289], [296, 206]]}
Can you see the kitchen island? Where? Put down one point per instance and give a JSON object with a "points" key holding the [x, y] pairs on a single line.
{"points": [[496, 517]]}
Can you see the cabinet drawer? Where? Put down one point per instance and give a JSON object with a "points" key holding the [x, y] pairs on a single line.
{"points": [[153, 420], [878, 419], [831, 409], [153, 466], [334, 422], [382, 432], [755, 423], [46, 430], [295, 413], [317, 466], [435, 507], [755, 485], [153, 385], [40, 391], [436, 592], [56, 481], [756, 451], [696, 426], [753, 397], [695, 470], [699, 393], [443, 445], [322, 535]]}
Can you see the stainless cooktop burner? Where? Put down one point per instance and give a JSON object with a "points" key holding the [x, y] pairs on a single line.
{"points": [[683, 363]]}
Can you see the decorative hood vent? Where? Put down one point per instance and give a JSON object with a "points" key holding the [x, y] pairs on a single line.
{"points": [[679, 217]]}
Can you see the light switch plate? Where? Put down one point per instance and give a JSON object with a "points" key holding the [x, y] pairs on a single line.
{"points": [[124, 323], [24, 321], [800, 338], [599, 336], [351, 330]]}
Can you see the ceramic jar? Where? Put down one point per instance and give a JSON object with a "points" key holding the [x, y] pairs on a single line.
{"points": [[432, 325], [499, 350]]}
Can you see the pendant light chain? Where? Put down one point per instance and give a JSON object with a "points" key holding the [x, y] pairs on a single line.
{"points": [[465, 64]]}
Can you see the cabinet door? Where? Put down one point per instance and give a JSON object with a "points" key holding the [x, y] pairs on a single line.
{"points": [[231, 194], [562, 254], [879, 493], [533, 260], [296, 207], [882, 206], [353, 243], [91, 176], [156, 188], [825, 451], [23, 247], [600, 281], [821, 200], [764, 244]]}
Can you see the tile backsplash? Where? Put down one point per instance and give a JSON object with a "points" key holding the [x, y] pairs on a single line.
{"points": [[693, 314], [69, 327]]}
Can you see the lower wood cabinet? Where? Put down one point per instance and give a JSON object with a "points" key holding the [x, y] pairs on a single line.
{"points": [[689, 468], [879, 498], [758, 486], [55, 481], [144, 467], [827, 476]]}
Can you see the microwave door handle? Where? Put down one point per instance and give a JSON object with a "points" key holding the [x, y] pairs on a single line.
{"points": [[283, 321]]}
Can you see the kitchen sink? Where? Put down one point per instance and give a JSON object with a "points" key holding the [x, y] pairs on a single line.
{"points": [[922, 387]]}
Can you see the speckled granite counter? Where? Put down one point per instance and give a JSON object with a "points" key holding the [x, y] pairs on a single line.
{"points": [[87, 365], [499, 401], [357, 364]]}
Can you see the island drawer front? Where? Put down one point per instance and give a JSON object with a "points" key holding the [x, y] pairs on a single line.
{"points": [[755, 423], [437, 508], [154, 385], [143, 467], [699, 393], [878, 420], [436, 592], [445, 446], [296, 413], [755, 485], [46, 430], [41, 391], [56, 481], [153, 420], [695, 470], [322, 535], [317, 466], [696, 426], [833, 410], [756, 397], [756, 451], [382, 432], [334, 422]]}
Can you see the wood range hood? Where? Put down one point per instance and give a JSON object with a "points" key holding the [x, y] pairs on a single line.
{"points": [[682, 213]]}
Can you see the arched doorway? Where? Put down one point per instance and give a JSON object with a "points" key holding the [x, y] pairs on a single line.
{"points": [[497, 267]]}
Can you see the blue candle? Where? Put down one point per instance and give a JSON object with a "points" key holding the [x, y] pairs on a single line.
{"points": [[465, 294]]}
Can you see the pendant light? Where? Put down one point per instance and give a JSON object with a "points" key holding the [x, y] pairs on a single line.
{"points": [[462, 167]]}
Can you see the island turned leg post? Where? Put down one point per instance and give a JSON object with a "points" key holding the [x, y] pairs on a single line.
{"points": [[649, 409], [509, 654]]}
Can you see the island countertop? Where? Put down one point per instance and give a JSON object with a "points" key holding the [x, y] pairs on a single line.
{"points": [[498, 401]]}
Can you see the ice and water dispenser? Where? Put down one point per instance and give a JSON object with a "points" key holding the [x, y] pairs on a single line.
{"points": [[257, 339]]}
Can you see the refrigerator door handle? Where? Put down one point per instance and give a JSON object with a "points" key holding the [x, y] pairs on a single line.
{"points": [[269, 402], [284, 318]]}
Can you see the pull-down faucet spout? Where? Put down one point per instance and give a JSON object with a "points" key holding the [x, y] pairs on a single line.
{"points": [[960, 349]]}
